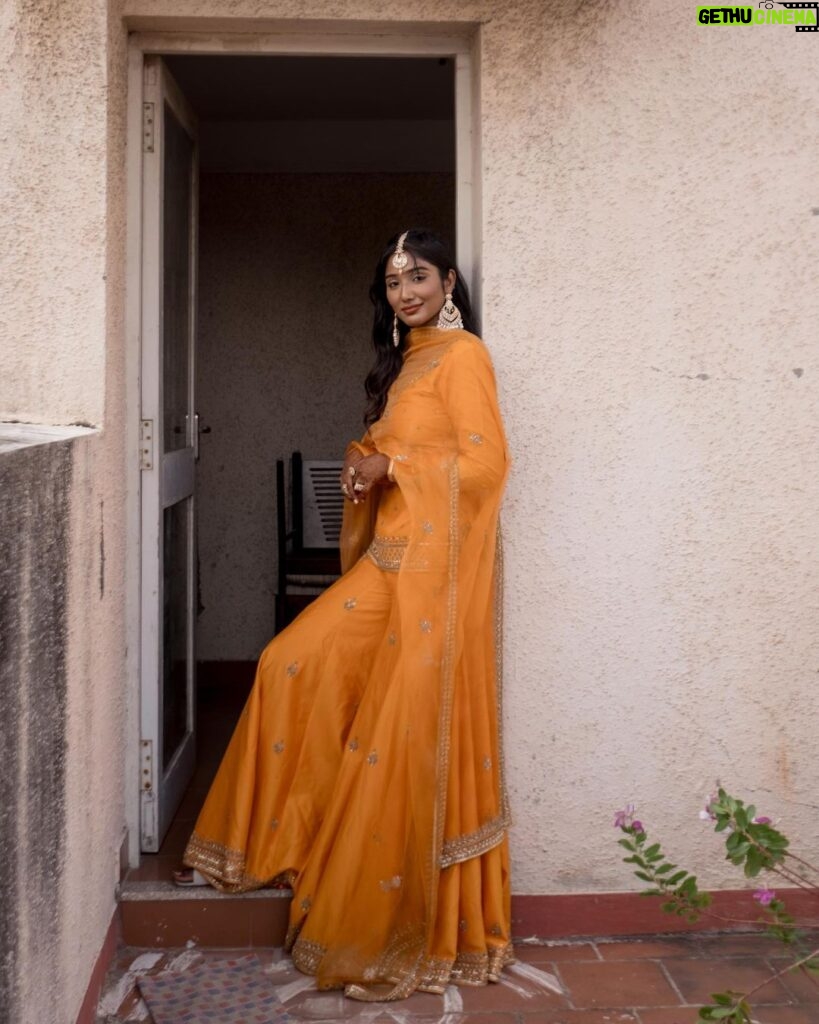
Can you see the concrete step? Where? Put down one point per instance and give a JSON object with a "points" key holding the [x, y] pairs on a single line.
{"points": [[159, 915]]}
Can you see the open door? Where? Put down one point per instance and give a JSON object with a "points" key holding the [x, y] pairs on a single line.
{"points": [[169, 449]]}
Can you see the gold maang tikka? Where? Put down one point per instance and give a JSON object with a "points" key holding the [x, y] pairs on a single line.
{"points": [[399, 257]]}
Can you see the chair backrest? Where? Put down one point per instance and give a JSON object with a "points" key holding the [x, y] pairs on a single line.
{"points": [[282, 535], [322, 502]]}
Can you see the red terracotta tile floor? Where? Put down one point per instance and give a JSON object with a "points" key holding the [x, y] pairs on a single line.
{"points": [[600, 981]]}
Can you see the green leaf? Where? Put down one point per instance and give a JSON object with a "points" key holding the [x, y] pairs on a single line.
{"points": [[677, 878], [663, 869], [643, 876], [627, 843], [652, 850], [754, 863]]}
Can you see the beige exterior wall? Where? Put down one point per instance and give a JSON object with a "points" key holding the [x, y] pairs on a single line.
{"points": [[67, 514], [647, 257]]}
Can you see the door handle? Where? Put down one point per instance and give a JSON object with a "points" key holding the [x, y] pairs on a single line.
{"points": [[197, 430]]}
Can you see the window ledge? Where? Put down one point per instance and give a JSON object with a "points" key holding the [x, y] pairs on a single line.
{"points": [[14, 436]]}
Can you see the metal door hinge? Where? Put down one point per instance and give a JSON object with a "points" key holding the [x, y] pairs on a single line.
{"points": [[146, 766], [147, 127], [146, 444]]}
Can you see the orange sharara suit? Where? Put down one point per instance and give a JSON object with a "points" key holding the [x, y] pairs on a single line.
{"points": [[366, 768]]}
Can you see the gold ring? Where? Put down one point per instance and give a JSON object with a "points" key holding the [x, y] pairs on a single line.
{"points": [[358, 486], [351, 470]]}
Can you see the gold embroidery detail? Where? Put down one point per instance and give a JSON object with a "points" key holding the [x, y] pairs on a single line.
{"points": [[292, 669], [465, 969], [274, 823], [372, 757], [306, 903], [388, 884], [462, 925], [431, 974], [307, 955], [426, 626], [447, 686], [224, 867], [427, 527], [476, 439], [278, 746], [392, 639], [353, 744], [400, 458], [473, 844], [487, 763], [350, 603], [496, 930], [504, 797], [387, 552]]}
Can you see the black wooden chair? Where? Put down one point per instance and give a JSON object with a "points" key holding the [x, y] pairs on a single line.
{"points": [[309, 560]]}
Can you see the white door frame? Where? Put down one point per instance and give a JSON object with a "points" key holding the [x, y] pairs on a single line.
{"points": [[348, 39]]}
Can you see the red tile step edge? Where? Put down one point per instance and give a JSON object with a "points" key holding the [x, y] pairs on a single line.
{"points": [[260, 919]]}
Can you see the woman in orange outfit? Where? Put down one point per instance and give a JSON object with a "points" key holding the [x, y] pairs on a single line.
{"points": [[366, 769]]}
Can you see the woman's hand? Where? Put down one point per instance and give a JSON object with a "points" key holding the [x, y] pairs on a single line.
{"points": [[351, 461], [368, 471]]}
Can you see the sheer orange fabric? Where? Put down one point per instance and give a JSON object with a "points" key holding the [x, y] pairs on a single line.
{"points": [[367, 766]]}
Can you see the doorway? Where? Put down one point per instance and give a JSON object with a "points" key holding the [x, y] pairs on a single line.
{"points": [[306, 165]]}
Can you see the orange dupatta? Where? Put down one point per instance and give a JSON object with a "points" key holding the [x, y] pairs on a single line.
{"points": [[440, 798]]}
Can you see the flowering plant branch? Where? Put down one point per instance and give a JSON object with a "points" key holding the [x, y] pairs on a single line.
{"points": [[753, 844]]}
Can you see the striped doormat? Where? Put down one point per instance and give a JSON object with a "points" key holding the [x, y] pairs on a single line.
{"points": [[216, 992]]}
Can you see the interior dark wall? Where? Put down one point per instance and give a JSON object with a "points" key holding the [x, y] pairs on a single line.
{"points": [[285, 326]]}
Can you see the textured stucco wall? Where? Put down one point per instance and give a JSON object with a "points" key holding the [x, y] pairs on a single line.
{"points": [[35, 487], [64, 511], [52, 210], [284, 332], [61, 732]]}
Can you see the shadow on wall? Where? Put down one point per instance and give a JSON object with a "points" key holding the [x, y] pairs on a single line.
{"points": [[35, 495]]}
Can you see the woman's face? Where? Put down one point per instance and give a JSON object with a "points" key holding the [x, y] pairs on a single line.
{"points": [[416, 293]]}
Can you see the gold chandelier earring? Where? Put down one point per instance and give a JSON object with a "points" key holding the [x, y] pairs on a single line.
{"points": [[450, 316], [396, 337]]}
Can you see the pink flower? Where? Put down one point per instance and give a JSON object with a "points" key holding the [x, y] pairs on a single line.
{"points": [[764, 896], [637, 826], [706, 814], [622, 819], [761, 820]]}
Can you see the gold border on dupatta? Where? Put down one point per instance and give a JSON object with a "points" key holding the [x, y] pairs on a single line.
{"points": [[474, 844], [223, 866]]}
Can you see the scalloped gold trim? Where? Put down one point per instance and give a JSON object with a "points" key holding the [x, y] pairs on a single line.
{"points": [[473, 844]]}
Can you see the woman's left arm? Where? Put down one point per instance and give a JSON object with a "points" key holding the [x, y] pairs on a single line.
{"points": [[466, 382]]}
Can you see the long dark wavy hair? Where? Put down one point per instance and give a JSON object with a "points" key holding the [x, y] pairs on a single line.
{"points": [[428, 246]]}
